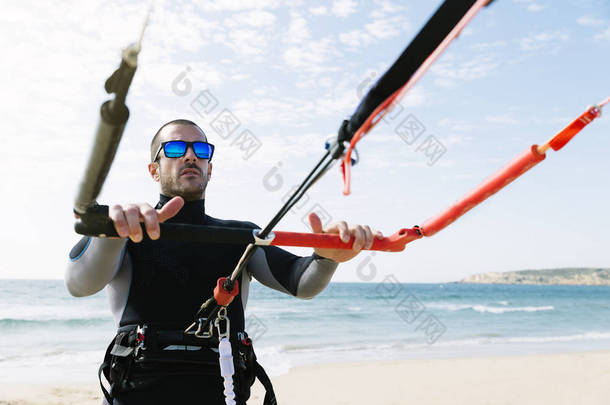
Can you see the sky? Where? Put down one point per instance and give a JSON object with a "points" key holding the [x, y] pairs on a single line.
{"points": [[289, 73]]}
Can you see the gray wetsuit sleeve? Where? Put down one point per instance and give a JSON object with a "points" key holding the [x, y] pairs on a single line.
{"points": [[94, 262], [303, 277]]}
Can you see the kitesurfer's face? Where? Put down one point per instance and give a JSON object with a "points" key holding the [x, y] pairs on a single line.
{"points": [[186, 176]]}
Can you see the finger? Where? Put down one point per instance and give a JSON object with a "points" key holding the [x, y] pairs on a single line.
{"points": [[170, 208], [117, 215], [344, 232], [368, 237], [132, 215], [359, 238], [378, 235], [315, 222], [151, 220]]}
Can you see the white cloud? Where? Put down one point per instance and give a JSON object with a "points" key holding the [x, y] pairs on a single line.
{"points": [[336, 104], [378, 29], [589, 20], [159, 74], [247, 42], [298, 30], [544, 40], [592, 21], [531, 5], [344, 8], [181, 29], [451, 71], [266, 111], [451, 140], [417, 96], [355, 38], [237, 5], [487, 46], [254, 18], [384, 8], [277, 146], [321, 10], [535, 7], [384, 28], [311, 56], [502, 119], [604, 35], [457, 125]]}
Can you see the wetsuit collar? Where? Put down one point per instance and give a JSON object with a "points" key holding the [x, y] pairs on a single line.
{"points": [[193, 212]]}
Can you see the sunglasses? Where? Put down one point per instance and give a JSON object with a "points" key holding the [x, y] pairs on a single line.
{"points": [[176, 149]]}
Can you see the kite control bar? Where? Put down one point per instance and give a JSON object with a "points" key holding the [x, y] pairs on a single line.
{"points": [[102, 226], [99, 224]]}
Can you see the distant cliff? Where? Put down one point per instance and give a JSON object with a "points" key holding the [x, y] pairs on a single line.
{"points": [[569, 276]]}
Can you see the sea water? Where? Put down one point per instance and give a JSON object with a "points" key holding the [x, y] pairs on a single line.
{"points": [[46, 335]]}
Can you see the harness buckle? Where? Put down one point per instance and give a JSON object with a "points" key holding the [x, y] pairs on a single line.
{"points": [[222, 316], [200, 333], [140, 339]]}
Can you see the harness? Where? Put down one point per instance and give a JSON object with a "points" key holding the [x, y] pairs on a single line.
{"points": [[141, 355]]}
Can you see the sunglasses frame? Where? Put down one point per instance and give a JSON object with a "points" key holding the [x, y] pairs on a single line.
{"points": [[188, 144]]}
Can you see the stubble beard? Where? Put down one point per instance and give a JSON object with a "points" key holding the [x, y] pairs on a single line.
{"points": [[171, 187]]}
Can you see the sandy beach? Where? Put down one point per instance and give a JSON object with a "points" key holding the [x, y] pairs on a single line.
{"points": [[567, 378]]}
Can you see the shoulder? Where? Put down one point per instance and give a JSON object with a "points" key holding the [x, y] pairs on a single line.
{"points": [[230, 223]]}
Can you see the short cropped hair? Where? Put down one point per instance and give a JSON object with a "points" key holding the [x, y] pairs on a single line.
{"points": [[154, 144]]}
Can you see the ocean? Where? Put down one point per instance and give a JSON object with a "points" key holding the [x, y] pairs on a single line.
{"points": [[46, 335]]}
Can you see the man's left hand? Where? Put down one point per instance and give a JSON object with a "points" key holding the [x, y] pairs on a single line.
{"points": [[363, 238]]}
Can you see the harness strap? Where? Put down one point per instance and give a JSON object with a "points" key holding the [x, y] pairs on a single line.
{"points": [[262, 376], [105, 365], [104, 390]]}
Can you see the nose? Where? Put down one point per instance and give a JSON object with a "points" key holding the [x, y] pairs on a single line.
{"points": [[189, 155]]}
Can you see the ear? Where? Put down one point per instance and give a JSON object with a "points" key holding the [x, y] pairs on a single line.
{"points": [[153, 169], [209, 170]]}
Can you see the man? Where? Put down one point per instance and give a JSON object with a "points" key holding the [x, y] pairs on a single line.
{"points": [[162, 283]]}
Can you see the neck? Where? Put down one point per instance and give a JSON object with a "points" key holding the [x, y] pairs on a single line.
{"points": [[193, 212]]}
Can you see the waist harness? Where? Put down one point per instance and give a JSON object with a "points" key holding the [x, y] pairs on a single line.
{"points": [[141, 355]]}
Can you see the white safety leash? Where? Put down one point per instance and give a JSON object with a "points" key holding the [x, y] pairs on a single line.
{"points": [[227, 369]]}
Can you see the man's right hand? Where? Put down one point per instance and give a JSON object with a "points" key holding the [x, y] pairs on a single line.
{"points": [[127, 218]]}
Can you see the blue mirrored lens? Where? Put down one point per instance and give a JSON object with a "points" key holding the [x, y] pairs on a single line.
{"points": [[175, 149], [203, 150]]}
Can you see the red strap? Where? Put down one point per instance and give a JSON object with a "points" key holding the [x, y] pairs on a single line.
{"points": [[569, 132], [222, 296]]}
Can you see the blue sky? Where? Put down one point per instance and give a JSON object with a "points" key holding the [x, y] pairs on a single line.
{"points": [[290, 72]]}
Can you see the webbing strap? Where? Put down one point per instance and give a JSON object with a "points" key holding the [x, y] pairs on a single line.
{"points": [[103, 366], [565, 135], [99, 376], [262, 376]]}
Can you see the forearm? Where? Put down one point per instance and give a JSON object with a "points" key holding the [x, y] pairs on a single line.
{"points": [[93, 264]]}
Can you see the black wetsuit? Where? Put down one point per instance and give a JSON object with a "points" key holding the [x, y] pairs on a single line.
{"points": [[164, 282]]}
